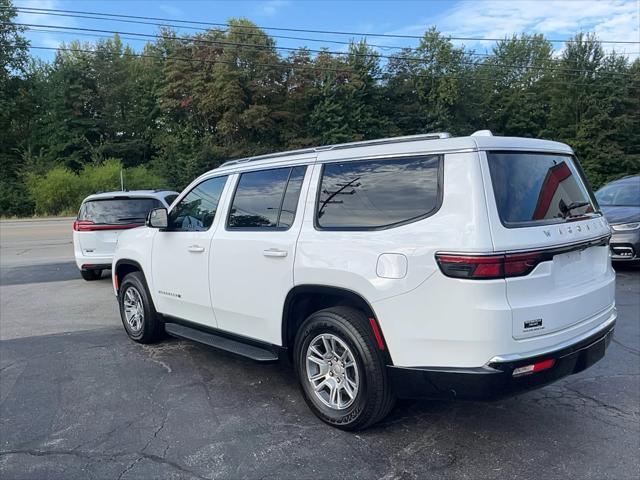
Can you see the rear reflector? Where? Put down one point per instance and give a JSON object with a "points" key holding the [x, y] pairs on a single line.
{"points": [[534, 367], [376, 333], [488, 266]]}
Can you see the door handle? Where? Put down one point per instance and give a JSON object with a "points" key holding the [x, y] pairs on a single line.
{"points": [[274, 252], [196, 249]]}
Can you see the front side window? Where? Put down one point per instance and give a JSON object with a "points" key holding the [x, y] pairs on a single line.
{"points": [[533, 188], [266, 199], [117, 211], [372, 194], [197, 210]]}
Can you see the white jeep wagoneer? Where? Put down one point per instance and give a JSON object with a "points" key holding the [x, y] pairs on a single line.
{"points": [[423, 266]]}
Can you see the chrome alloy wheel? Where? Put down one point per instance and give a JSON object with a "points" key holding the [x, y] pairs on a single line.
{"points": [[332, 371], [133, 309]]}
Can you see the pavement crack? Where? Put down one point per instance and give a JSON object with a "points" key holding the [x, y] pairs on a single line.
{"points": [[626, 348], [129, 467], [176, 466]]}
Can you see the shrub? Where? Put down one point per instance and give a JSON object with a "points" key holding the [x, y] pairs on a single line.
{"points": [[61, 191]]}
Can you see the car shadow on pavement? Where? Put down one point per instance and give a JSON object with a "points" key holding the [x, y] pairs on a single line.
{"points": [[43, 273]]}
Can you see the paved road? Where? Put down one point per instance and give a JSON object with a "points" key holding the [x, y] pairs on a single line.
{"points": [[79, 400]]}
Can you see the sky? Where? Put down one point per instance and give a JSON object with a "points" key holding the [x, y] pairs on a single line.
{"points": [[616, 20]]}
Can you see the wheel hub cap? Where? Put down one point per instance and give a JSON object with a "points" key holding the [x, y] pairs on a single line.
{"points": [[133, 309], [332, 371]]}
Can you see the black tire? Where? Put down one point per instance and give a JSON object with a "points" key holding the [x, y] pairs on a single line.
{"points": [[90, 275], [374, 398], [152, 327]]}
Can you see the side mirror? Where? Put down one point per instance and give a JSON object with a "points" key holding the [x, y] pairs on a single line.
{"points": [[157, 218]]}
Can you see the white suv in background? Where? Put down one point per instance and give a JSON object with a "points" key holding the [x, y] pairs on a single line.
{"points": [[102, 217], [423, 266]]}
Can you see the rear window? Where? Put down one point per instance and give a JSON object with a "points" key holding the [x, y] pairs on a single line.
{"points": [[118, 210], [371, 194], [537, 188]]}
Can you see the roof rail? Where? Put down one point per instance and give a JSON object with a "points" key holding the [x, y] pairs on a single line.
{"points": [[341, 146]]}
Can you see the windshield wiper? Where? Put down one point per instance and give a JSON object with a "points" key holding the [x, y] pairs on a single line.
{"points": [[129, 219], [566, 209]]}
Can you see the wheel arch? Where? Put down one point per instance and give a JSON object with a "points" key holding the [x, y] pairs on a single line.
{"points": [[303, 300], [125, 266]]}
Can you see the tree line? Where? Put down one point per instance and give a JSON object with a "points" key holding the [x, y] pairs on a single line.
{"points": [[184, 104]]}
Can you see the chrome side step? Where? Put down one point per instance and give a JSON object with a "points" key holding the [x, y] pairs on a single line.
{"points": [[251, 350]]}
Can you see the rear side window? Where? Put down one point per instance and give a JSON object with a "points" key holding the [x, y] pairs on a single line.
{"points": [[373, 194], [266, 199], [537, 188], [197, 209], [117, 211]]}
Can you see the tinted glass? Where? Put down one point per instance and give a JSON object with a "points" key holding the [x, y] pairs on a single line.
{"points": [[291, 196], [197, 209], [377, 193], [535, 187], [258, 197], [170, 198], [622, 194], [118, 211]]}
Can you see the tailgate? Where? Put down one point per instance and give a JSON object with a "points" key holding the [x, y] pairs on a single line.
{"points": [[538, 202]]}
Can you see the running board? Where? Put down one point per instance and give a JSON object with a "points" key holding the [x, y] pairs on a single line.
{"points": [[221, 342]]}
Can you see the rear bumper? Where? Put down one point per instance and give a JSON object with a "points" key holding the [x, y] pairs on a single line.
{"points": [[85, 262], [495, 380]]}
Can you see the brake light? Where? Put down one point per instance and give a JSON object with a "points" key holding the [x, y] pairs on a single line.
{"points": [[488, 266], [82, 225], [89, 226]]}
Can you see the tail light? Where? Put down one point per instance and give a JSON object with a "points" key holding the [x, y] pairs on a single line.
{"points": [[82, 225], [89, 226], [488, 266]]}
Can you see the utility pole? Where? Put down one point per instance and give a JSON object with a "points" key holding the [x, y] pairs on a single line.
{"points": [[121, 181]]}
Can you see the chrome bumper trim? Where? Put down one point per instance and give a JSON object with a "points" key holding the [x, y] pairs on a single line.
{"points": [[513, 357]]}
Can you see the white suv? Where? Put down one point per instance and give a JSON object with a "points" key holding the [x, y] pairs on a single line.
{"points": [[423, 266], [101, 219]]}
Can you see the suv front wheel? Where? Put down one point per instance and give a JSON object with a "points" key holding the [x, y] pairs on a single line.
{"points": [[137, 311], [341, 370]]}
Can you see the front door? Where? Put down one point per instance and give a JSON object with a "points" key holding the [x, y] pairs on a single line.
{"points": [[253, 252], [180, 265]]}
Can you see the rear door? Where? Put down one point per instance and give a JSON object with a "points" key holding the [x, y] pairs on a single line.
{"points": [[253, 253], [100, 221], [539, 202]]}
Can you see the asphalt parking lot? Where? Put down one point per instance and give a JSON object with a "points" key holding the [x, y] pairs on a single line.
{"points": [[79, 400]]}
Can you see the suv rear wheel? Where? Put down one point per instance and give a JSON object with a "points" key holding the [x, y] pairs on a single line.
{"points": [[90, 275], [137, 311], [342, 372]]}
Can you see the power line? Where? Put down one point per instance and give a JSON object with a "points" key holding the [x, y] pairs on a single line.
{"points": [[201, 29], [285, 66], [261, 34], [294, 49], [326, 32]]}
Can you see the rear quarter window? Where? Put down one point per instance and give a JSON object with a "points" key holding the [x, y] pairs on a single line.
{"points": [[376, 194]]}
